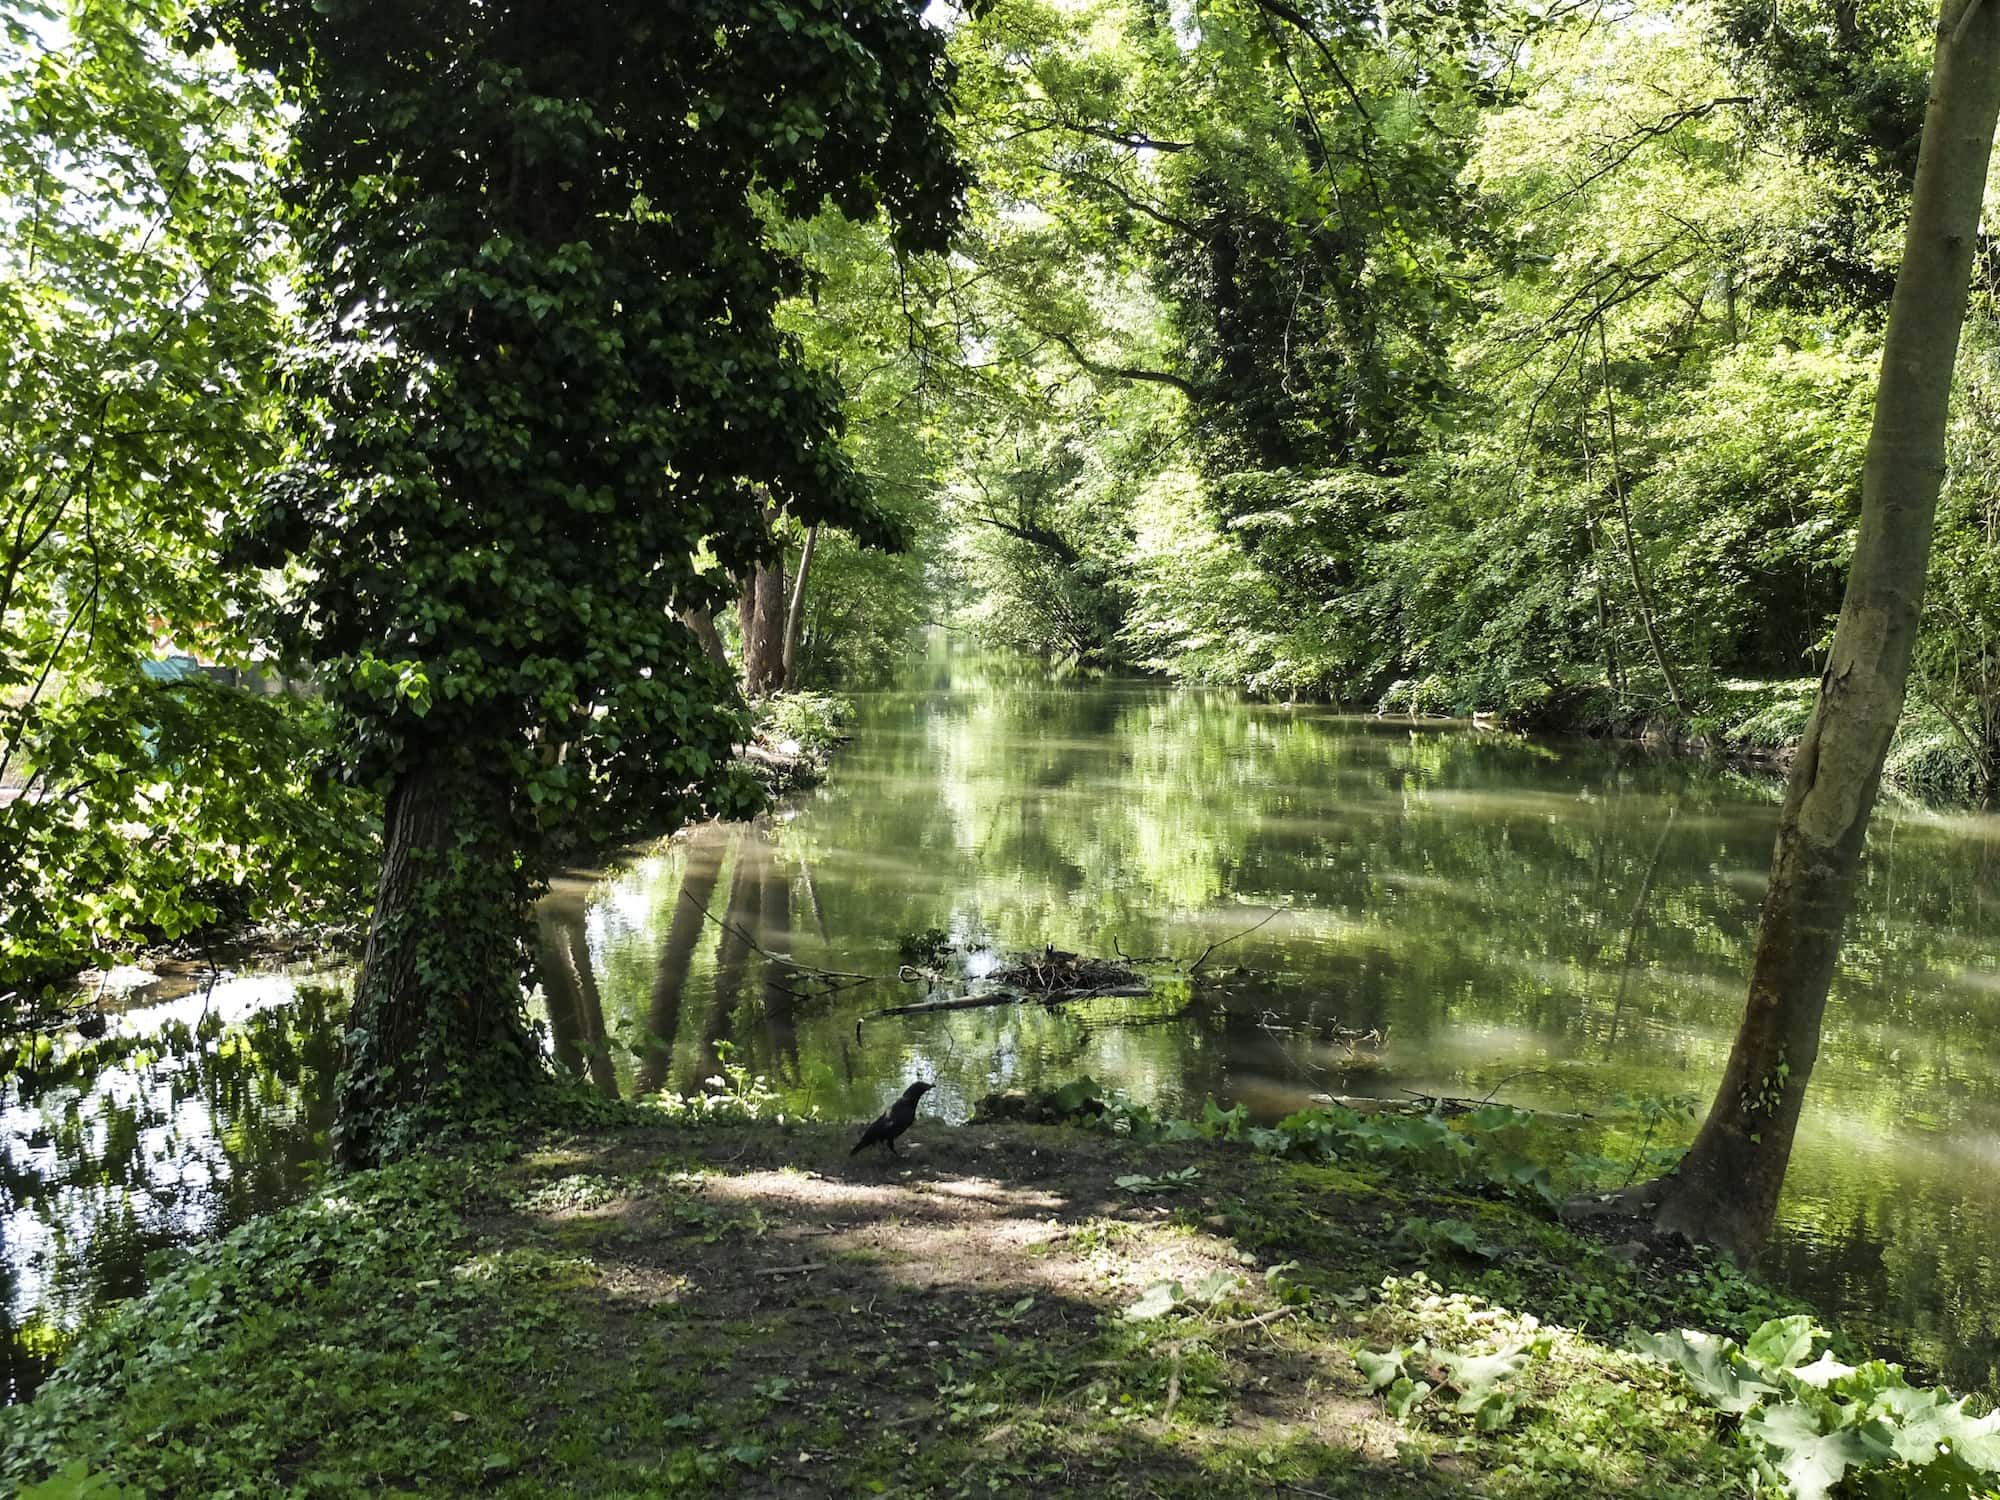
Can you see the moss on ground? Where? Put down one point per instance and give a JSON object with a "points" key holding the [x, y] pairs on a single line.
{"points": [[747, 1310]]}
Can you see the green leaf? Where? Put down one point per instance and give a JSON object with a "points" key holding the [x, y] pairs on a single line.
{"points": [[1811, 1460], [1783, 1342], [1158, 1300], [1405, 1396], [1075, 1094], [76, 1482], [1382, 1370], [1217, 1285], [1475, 1376], [1823, 1371], [1711, 1365]]}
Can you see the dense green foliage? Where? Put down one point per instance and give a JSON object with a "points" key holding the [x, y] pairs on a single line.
{"points": [[1474, 357], [137, 267], [540, 406], [1482, 359]]}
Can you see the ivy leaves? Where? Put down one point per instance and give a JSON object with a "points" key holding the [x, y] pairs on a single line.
{"points": [[543, 373], [540, 407]]}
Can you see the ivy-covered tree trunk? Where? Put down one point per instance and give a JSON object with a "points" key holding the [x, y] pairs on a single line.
{"points": [[437, 1024], [1726, 1189], [533, 417]]}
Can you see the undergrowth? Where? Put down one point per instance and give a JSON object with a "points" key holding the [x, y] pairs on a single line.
{"points": [[1347, 1305]]}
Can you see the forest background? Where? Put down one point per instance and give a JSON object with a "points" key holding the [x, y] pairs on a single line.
{"points": [[1467, 358]]}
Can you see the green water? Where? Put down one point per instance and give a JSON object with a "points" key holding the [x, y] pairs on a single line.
{"points": [[1566, 923]]}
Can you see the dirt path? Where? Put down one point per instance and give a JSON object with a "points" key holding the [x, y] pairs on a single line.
{"points": [[959, 1319]]}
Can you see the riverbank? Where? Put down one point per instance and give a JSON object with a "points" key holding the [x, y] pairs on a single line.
{"points": [[649, 1309], [794, 738], [1756, 725]]}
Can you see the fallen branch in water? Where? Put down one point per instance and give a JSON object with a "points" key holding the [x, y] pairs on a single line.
{"points": [[1009, 997], [1439, 1104]]}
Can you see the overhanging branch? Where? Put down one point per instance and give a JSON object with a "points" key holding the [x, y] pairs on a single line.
{"points": [[1123, 372]]}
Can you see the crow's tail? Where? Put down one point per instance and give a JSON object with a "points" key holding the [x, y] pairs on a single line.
{"points": [[857, 1146]]}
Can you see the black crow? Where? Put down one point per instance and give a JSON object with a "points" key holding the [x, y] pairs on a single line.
{"points": [[893, 1121]]}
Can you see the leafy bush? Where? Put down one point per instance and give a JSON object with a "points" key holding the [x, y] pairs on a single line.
{"points": [[1488, 1146], [735, 1096], [815, 722], [157, 809]]}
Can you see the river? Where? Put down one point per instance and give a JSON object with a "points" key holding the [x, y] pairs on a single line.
{"points": [[1566, 923]]}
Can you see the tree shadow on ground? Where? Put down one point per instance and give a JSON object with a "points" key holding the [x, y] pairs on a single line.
{"points": [[758, 1312]]}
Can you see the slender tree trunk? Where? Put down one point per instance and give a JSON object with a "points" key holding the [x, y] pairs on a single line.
{"points": [[423, 1050], [795, 615], [1613, 676], [1726, 1188]]}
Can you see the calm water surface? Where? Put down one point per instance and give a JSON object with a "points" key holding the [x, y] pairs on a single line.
{"points": [[1567, 923]]}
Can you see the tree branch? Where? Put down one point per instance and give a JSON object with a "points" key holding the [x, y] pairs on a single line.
{"points": [[1124, 372], [1036, 536], [1665, 125]]}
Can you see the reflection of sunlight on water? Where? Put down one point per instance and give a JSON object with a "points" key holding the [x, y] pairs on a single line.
{"points": [[47, 1241], [227, 1000], [143, 1153], [1489, 803]]}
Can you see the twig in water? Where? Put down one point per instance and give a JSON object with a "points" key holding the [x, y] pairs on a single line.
{"points": [[824, 976], [1234, 936], [1524, 1073]]}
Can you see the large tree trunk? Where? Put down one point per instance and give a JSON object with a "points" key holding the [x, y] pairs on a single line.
{"points": [[436, 1033], [1726, 1189], [795, 615], [760, 611]]}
